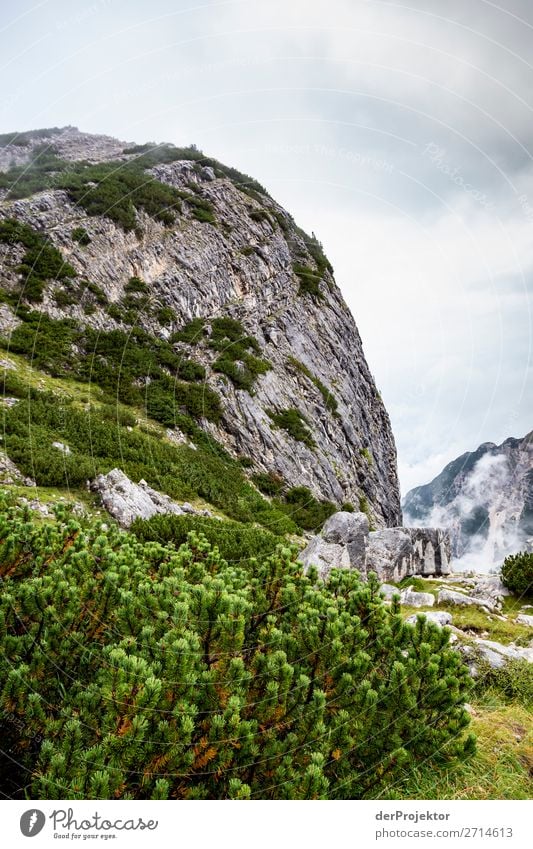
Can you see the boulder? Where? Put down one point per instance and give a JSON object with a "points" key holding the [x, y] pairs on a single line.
{"points": [[497, 655], [523, 619], [438, 617], [461, 599], [489, 586], [61, 447], [414, 599], [389, 590], [9, 474], [341, 544], [394, 553], [389, 553], [126, 501], [431, 551]]}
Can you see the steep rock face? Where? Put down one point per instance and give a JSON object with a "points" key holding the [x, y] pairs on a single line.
{"points": [[485, 499], [241, 263]]}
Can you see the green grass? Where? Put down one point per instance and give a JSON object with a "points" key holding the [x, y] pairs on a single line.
{"points": [[472, 619], [502, 767]]}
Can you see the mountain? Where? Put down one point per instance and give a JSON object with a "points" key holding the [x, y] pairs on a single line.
{"points": [[485, 498], [179, 290]]}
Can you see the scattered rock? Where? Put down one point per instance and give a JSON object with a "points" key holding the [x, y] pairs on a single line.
{"points": [[62, 447], [439, 617], [453, 597], [127, 501], [9, 474], [523, 619], [341, 544], [489, 586], [389, 590], [414, 599], [496, 654]]}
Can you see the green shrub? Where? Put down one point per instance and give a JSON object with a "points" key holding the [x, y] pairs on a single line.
{"points": [[98, 293], [132, 670], [99, 441], [329, 399], [294, 423], [348, 507], [191, 333], [237, 543], [65, 297], [165, 315], [367, 454], [514, 680], [517, 573], [41, 263], [81, 236], [118, 190], [136, 286], [34, 176], [236, 360], [269, 483], [309, 280], [304, 509]]}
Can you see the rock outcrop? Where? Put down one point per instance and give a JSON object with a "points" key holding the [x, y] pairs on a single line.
{"points": [[460, 599], [341, 544], [485, 499], [239, 255], [9, 474], [127, 501], [393, 553]]}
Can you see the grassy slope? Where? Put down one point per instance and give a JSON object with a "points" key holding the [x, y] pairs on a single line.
{"points": [[502, 768], [503, 765]]}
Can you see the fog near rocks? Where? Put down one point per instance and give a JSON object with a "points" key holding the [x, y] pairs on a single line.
{"points": [[484, 507]]}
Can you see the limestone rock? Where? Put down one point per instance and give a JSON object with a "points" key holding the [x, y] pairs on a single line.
{"points": [[413, 599], [394, 553], [524, 619], [9, 474], [126, 501], [340, 545], [489, 586], [389, 553], [438, 617], [461, 599], [61, 447], [497, 654], [389, 590], [242, 268]]}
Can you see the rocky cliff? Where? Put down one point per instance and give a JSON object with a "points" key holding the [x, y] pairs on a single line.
{"points": [[485, 499], [168, 241]]}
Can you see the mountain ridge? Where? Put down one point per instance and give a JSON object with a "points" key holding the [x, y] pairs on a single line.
{"points": [[485, 498], [199, 241]]}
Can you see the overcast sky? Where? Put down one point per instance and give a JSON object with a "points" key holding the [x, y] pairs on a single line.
{"points": [[401, 134]]}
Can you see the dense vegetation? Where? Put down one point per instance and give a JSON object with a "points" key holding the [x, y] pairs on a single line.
{"points": [[101, 438], [134, 670], [295, 423], [517, 573], [41, 263]]}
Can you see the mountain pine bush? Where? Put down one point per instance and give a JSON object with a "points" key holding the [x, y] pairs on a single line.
{"points": [[132, 669], [517, 573]]}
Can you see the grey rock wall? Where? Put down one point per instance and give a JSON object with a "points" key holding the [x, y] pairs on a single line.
{"points": [[240, 267]]}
